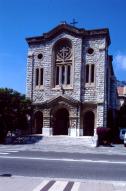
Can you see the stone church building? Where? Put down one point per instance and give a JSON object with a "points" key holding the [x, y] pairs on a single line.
{"points": [[70, 81]]}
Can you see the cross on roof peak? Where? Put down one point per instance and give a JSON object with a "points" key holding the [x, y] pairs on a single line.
{"points": [[74, 22], [63, 22]]}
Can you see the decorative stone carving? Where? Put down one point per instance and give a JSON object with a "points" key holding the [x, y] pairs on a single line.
{"points": [[63, 53]]}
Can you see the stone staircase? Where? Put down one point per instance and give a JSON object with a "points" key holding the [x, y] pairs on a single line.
{"points": [[89, 141], [60, 140]]}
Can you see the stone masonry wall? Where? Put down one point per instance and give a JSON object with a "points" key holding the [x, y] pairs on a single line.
{"points": [[80, 91], [95, 92], [29, 75], [48, 91], [113, 93], [100, 116]]}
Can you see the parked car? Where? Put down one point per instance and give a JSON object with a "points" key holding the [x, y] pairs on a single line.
{"points": [[125, 140], [122, 133]]}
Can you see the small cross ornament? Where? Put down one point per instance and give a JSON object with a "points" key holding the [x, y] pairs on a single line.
{"points": [[74, 22]]}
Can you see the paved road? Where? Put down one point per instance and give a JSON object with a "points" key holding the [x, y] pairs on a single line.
{"points": [[63, 165]]}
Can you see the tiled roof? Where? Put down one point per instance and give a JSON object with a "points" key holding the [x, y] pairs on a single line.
{"points": [[121, 90]]}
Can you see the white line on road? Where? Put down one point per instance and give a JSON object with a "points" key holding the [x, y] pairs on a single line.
{"points": [[7, 152], [64, 159], [57, 185], [76, 186], [12, 151], [42, 184]]}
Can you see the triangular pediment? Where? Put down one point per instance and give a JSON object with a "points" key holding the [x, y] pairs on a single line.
{"points": [[62, 28], [61, 100], [69, 29]]}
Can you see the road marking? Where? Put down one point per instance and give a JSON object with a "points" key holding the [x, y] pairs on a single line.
{"points": [[65, 159], [76, 186], [12, 151], [42, 184], [7, 152], [48, 186], [52, 185], [69, 186], [59, 185]]}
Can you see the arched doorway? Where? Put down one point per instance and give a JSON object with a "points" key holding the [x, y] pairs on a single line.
{"points": [[38, 122], [88, 124], [61, 122]]}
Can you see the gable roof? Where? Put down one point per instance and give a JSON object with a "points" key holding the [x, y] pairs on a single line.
{"points": [[57, 100], [64, 27], [63, 98]]}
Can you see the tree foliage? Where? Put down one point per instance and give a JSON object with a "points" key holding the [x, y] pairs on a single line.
{"points": [[14, 108]]}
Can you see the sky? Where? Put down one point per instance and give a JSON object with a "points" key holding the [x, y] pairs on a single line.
{"points": [[26, 18]]}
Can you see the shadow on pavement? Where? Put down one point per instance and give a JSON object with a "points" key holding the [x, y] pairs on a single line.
{"points": [[27, 139]]}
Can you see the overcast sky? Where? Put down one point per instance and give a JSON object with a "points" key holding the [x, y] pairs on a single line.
{"points": [[25, 18]]}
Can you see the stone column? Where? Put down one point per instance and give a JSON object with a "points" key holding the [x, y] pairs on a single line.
{"points": [[78, 129], [100, 115], [29, 79], [72, 128], [105, 115], [47, 131]]}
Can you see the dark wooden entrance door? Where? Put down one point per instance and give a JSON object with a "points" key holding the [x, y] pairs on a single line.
{"points": [[38, 122], [88, 124], [61, 122]]}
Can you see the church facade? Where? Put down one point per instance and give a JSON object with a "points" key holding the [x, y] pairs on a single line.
{"points": [[70, 81]]}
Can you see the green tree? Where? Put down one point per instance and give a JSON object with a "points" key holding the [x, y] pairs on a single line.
{"points": [[14, 108]]}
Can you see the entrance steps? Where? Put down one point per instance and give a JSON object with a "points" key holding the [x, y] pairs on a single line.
{"points": [[89, 141]]}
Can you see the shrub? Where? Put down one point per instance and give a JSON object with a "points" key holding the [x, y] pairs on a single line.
{"points": [[104, 136]]}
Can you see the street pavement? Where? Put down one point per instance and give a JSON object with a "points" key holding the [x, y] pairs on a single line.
{"points": [[20, 183], [64, 165], [26, 183]]}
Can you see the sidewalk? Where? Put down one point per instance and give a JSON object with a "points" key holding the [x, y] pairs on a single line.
{"points": [[65, 144], [116, 149], [20, 183]]}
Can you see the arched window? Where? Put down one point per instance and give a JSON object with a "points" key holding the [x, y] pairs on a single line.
{"points": [[39, 77], [62, 63], [89, 74]]}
